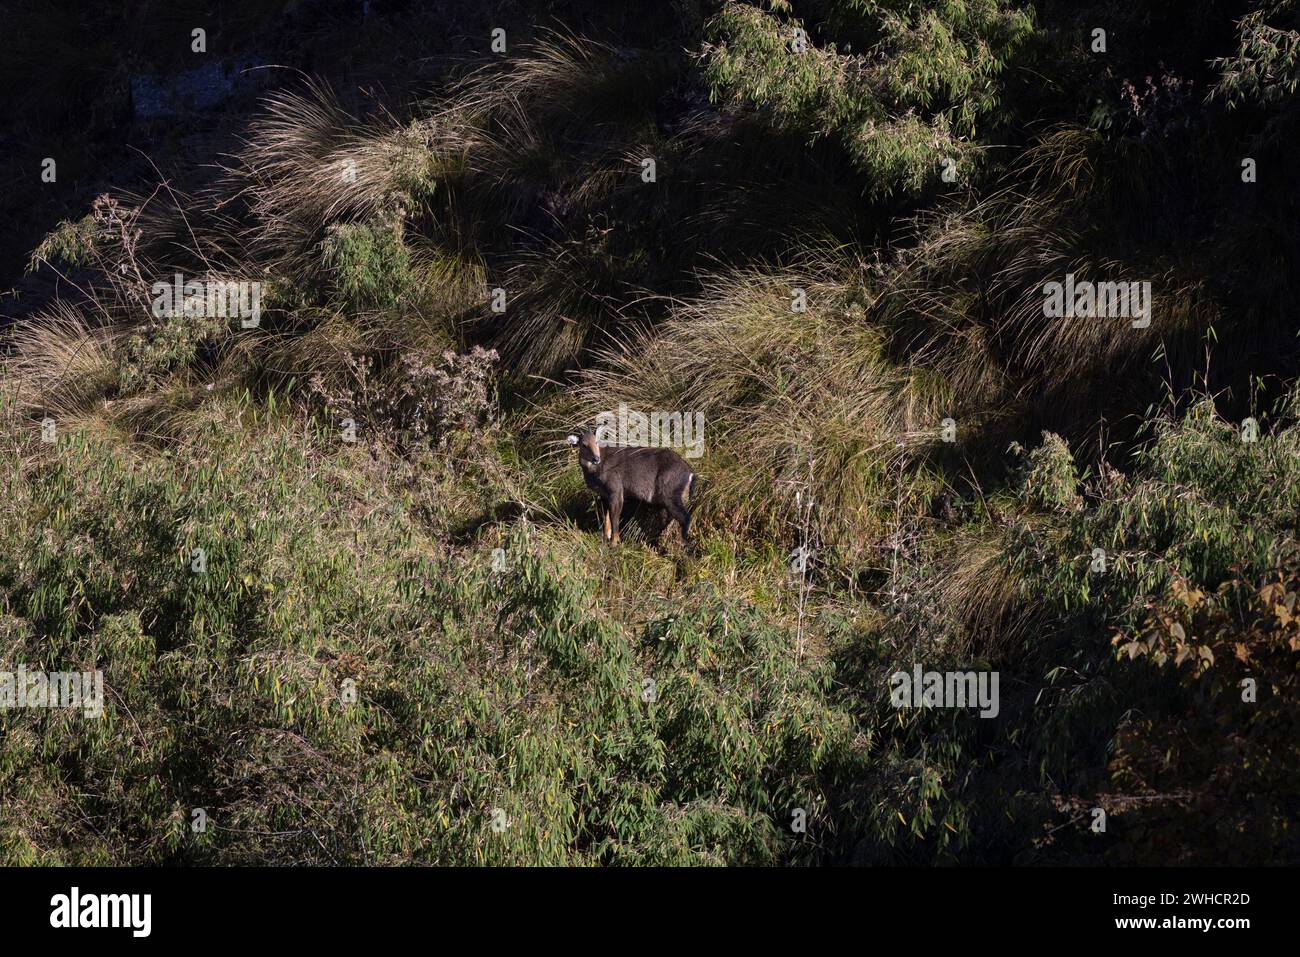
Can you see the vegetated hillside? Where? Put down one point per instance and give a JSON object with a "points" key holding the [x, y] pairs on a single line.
{"points": [[345, 584]]}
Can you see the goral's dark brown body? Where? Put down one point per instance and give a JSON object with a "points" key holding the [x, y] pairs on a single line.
{"points": [[658, 477]]}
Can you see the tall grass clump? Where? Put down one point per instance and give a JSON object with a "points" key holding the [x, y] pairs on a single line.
{"points": [[794, 398]]}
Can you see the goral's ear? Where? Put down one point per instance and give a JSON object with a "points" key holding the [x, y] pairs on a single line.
{"points": [[572, 440]]}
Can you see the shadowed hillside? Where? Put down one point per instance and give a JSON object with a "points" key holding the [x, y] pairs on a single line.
{"points": [[296, 333]]}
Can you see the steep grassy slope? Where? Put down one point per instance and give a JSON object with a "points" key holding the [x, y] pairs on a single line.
{"points": [[343, 578]]}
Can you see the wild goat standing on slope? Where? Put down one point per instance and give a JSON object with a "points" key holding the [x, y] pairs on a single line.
{"points": [[656, 477]]}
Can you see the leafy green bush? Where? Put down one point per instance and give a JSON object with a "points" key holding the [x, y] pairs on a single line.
{"points": [[476, 691], [369, 265], [912, 99], [1047, 478]]}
